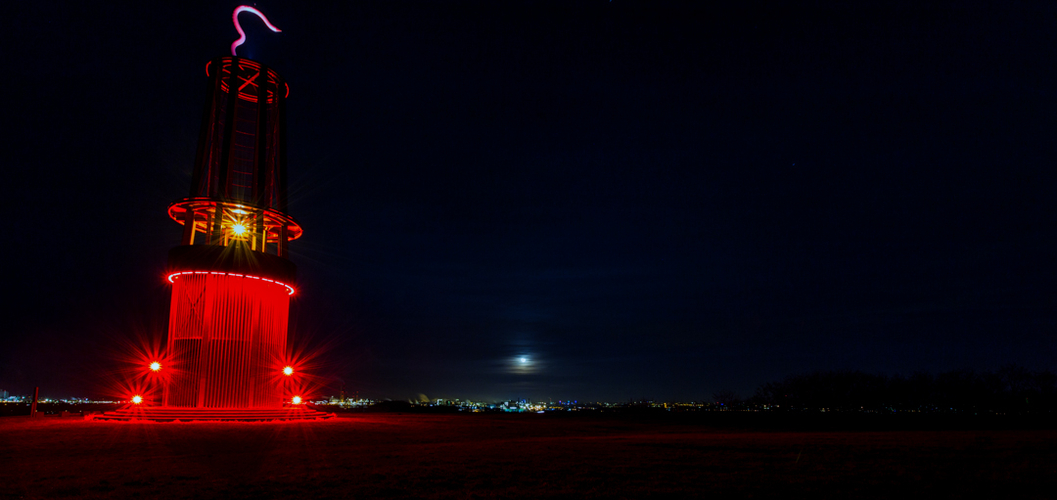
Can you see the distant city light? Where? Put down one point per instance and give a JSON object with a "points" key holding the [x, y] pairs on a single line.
{"points": [[296, 400], [136, 399], [155, 366], [289, 370]]}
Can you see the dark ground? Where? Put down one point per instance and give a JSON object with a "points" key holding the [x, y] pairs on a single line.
{"points": [[510, 456]]}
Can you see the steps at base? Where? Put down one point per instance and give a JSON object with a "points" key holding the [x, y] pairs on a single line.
{"points": [[165, 414]]}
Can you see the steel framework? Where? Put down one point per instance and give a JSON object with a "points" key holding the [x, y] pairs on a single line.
{"points": [[231, 277]]}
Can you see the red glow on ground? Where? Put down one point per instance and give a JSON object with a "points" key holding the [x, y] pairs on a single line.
{"points": [[363, 455], [289, 289]]}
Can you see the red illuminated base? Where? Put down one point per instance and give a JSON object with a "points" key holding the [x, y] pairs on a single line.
{"points": [[170, 414], [227, 343]]}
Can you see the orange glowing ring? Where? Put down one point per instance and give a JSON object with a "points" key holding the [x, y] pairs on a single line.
{"points": [[274, 220], [289, 289]]}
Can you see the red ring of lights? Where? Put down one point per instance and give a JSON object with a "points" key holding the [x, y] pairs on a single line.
{"points": [[289, 289], [245, 95]]}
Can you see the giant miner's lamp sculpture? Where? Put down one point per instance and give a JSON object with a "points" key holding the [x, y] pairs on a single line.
{"points": [[226, 352]]}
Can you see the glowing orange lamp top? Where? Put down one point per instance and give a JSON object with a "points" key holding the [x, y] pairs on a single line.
{"points": [[235, 218]]}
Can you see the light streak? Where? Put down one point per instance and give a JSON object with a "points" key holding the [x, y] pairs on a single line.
{"points": [[242, 34]]}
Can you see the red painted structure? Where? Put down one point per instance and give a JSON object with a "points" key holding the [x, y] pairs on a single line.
{"points": [[231, 278]]}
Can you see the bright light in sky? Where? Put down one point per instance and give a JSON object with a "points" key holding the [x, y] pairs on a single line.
{"points": [[155, 366], [523, 360], [136, 399], [289, 370], [297, 400]]}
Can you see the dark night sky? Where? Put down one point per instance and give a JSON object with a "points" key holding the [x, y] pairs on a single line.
{"points": [[642, 199]]}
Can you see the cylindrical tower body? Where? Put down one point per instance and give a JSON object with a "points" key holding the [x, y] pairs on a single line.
{"points": [[231, 278], [229, 343]]}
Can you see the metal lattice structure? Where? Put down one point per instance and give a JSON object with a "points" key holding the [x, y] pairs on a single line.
{"points": [[231, 278]]}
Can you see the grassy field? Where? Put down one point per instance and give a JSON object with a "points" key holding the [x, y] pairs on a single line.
{"points": [[510, 456]]}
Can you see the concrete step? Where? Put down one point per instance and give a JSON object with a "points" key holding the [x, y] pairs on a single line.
{"points": [[169, 414]]}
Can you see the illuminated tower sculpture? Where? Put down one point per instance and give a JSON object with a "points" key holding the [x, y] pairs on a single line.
{"points": [[226, 353], [231, 276]]}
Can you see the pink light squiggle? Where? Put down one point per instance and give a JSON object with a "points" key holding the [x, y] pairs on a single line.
{"points": [[242, 34]]}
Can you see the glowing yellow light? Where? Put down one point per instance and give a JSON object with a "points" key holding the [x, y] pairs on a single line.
{"points": [[155, 366], [238, 229], [136, 399], [296, 400], [289, 370]]}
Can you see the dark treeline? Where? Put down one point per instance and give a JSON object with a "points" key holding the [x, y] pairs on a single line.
{"points": [[1009, 390]]}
